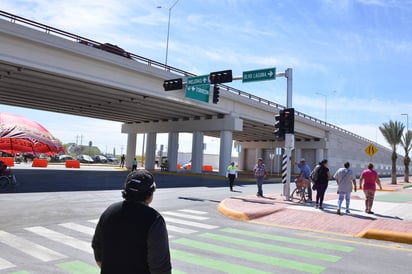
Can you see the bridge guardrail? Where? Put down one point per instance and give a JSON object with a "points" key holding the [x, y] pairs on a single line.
{"points": [[48, 29]]}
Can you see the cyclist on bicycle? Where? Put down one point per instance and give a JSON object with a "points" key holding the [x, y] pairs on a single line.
{"points": [[3, 169], [305, 173]]}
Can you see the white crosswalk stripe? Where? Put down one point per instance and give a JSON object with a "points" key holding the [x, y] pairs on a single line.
{"points": [[61, 238], [80, 228], [189, 223], [72, 234], [4, 264], [187, 216], [35, 250], [172, 228], [193, 211]]}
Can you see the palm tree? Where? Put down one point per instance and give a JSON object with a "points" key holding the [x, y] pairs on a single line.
{"points": [[406, 143], [392, 132]]}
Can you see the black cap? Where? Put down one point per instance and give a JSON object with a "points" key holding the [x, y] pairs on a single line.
{"points": [[140, 182]]}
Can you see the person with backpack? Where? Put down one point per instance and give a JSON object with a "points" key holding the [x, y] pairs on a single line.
{"points": [[320, 176]]}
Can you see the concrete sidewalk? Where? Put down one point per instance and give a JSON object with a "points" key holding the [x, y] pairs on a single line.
{"points": [[392, 220]]}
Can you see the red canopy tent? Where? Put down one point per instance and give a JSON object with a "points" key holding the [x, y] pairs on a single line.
{"points": [[19, 134]]}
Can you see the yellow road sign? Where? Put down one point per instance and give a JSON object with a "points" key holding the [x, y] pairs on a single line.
{"points": [[371, 150]]}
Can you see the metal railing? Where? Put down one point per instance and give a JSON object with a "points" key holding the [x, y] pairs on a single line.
{"points": [[50, 30]]}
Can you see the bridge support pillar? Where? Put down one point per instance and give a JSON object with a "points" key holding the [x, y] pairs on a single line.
{"points": [[197, 152], [226, 140], [131, 149], [150, 151], [172, 150]]}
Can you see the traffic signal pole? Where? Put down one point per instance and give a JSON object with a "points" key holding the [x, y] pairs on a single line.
{"points": [[289, 139], [281, 129]]}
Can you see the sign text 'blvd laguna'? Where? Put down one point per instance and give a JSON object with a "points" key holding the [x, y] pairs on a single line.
{"points": [[259, 75]]}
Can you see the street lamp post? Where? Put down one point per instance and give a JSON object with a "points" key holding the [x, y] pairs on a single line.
{"points": [[168, 28], [326, 104], [407, 121]]}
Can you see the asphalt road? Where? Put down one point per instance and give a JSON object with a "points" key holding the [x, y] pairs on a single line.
{"points": [[57, 210]]}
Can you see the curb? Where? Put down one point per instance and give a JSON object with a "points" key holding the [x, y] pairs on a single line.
{"points": [[385, 235], [233, 214], [375, 234]]}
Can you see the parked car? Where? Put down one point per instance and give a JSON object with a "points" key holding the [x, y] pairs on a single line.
{"points": [[100, 159], [111, 159], [187, 166], [64, 157], [83, 158]]}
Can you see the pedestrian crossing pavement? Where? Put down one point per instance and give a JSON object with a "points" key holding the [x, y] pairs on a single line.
{"points": [[197, 246]]}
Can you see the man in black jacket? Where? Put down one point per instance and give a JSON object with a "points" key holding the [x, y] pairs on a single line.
{"points": [[131, 237]]}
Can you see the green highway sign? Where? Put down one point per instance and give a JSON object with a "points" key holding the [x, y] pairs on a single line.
{"points": [[259, 75], [198, 88]]}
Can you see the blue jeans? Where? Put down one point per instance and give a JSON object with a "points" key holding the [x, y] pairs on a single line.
{"points": [[259, 182], [343, 195]]}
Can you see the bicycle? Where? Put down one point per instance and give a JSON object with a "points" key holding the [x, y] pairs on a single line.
{"points": [[7, 181], [300, 193]]}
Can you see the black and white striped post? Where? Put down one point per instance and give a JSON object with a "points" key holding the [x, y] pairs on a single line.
{"points": [[287, 165]]}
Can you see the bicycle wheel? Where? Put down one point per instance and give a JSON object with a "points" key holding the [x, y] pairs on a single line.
{"points": [[4, 182], [297, 195]]}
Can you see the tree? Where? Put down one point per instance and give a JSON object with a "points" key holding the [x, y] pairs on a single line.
{"points": [[406, 143], [392, 132]]}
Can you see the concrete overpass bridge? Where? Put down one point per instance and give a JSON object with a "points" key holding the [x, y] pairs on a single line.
{"points": [[49, 69]]}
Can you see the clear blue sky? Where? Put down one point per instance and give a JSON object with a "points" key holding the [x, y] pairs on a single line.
{"points": [[355, 53]]}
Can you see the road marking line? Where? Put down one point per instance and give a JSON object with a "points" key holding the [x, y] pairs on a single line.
{"points": [[4, 264], [79, 228], [213, 264], [189, 223], [34, 250], [299, 242], [79, 267], [177, 214], [298, 251], [251, 256], [180, 229], [194, 211], [61, 238]]}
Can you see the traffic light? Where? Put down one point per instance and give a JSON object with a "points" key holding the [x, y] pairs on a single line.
{"points": [[219, 77], [173, 84], [280, 126], [216, 93], [289, 120]]}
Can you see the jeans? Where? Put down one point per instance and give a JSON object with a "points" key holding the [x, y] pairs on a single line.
{"points": [[343, 195], [259, 182]]}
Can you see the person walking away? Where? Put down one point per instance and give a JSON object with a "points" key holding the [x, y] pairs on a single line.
{"points": [[345, 179], [367, 181], [305, 173], [134, 164], [260, 174], [231, 174], [122, 159], [131, 236], [321, 182]]}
